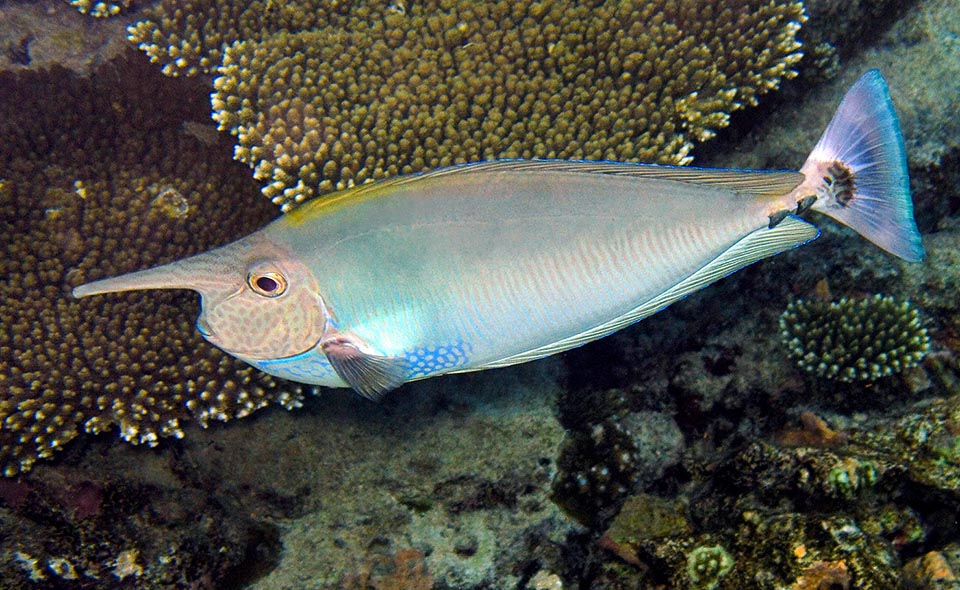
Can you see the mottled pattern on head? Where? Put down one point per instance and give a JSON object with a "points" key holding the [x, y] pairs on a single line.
{"points": [[259, 301], [255, 322], [255, 328]]}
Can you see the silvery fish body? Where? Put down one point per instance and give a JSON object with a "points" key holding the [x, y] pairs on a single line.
{"points": [[492, 264]]}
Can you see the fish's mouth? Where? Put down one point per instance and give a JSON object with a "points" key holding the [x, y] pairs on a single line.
{"points": [[204, 328]]}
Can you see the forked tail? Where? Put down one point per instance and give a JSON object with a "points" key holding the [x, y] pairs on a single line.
{"points": [[858, 170]]}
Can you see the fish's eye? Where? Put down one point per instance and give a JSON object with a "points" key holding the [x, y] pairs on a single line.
{"points": [[268, 284]]}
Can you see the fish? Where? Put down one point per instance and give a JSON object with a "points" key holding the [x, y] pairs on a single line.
{"points": [[490, 264]]}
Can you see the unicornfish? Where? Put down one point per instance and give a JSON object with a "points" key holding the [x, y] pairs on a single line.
{"points": [[491, 264]]}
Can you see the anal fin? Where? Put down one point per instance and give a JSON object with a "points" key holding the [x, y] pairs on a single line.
{"points": [[370, 375], [788, 233]]}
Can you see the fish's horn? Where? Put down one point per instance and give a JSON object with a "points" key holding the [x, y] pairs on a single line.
{"points": [[190, 273]]}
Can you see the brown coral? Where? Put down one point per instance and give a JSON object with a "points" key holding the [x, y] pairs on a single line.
{"points": [[100, 8], [814, 432], [387, 88], [100, 177], [406, 569], [933, 570], [188, 36]]}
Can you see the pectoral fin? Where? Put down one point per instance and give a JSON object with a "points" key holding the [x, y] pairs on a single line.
{"points": [[368, 374]]}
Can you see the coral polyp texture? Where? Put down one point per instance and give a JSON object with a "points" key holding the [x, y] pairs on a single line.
{"points": [[706, 566], [101, 9], [854, 339], [385, 88], [102, 176], [187, 37]]}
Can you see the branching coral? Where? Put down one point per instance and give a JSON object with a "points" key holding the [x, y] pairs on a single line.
{"points": [[853, 340], [386, 89], [188, 36], [100, 177], [100, 8]]}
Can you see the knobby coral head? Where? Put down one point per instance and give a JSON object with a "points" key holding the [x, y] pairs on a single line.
{"points": [[854, 340], [100, 176], [322, 98]]}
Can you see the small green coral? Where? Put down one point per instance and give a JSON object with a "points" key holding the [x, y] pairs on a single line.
{"points": [[854, 340], [851, 477], [706, 566]]}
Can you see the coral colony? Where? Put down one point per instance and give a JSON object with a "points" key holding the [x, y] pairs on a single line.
{"points": [[854, 340], [305, 90], [110, 171]]}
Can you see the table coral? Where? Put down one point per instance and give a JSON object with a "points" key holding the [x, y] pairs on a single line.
{"points": [[188, 36], [101, 177], [851, 340], [384, 89]]}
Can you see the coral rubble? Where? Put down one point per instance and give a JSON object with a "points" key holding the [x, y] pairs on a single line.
{"points": [[456, 468], [802, 517], [75, 528], [101, 176]]}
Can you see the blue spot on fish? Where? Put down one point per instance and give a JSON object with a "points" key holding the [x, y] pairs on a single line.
{"points": [[426, 361], [313, 366]]}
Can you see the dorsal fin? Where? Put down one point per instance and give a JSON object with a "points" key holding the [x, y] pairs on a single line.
{"points": [[752, 182]]}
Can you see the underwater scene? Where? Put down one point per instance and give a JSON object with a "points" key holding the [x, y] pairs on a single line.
{"points": [[423, 243]]}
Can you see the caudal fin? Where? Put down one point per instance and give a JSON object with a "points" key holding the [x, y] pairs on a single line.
{"points": [[860, 170]]}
